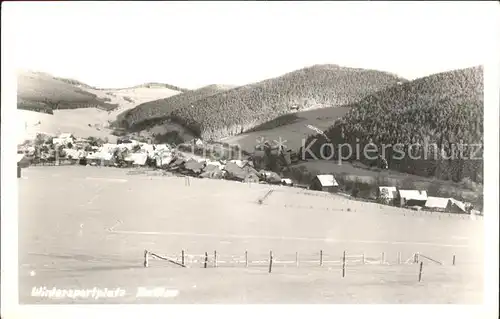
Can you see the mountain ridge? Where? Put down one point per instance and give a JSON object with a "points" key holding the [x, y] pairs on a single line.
{"points": [[239, 109], [441, 110]]}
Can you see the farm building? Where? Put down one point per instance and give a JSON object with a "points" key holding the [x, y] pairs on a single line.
{"points": [[439, 204], [99, 158], [64, 139], [162, 147], [212, 171], [270, 177], [412, 197], [193, 167], [325, 183], [163, 159], [72, 153], [389, 194], [443, 204], [245, 173], [123, 140], [137, 159]]}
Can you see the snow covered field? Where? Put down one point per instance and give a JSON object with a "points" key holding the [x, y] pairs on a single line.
{"points": [[85, 227]]}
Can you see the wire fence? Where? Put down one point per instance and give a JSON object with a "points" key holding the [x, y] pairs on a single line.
{"points": [[215, 259]]}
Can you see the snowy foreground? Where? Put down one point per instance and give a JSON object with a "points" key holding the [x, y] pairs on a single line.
{"points": [[82, 228]]}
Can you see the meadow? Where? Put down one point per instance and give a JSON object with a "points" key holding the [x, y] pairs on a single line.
{"points": [[85, 227]]}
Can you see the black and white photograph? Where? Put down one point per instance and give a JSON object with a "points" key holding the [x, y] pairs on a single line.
{"points": [[243, 153]]}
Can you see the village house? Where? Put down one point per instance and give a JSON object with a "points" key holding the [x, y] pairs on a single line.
{"points": [[64, 139], [444, 204], [136, 159], [81, 142], [244, 173], [412, 197], [73, 154], [163, 158], [325, 183], [437, 204], [388, 194], [123, 140]]}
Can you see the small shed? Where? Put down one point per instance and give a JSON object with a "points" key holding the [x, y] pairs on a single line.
{"points": [[325, 183], [458, 206]]}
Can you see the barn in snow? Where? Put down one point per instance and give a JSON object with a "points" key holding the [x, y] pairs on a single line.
{"points": [[325, 183], [412, 197], [448, 205]]}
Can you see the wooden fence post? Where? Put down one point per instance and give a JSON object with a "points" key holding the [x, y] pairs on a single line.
{"points": [[453, 260], [321, 258], [343, 265], [270, 260], [420, 271], [182, 257], [246, 258], [382, 261], [146, 263], [363, 261], [215, 258], [206, 260]]}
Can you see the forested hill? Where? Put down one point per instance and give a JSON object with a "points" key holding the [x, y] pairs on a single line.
{"points": [[240, 109], [148, 113], [443, 111]]}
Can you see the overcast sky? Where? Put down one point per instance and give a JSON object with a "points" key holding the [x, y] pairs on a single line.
{"points": [[196, 44]]}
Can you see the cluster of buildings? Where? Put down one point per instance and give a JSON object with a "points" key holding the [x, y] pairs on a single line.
{"points": [[418, 199], [414, 199], [134, 153]]}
